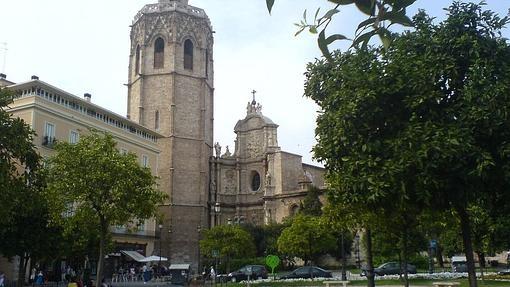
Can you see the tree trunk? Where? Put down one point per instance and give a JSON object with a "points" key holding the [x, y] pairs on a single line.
{"points": [[21, 271], [370, 267], [102, 246], [439, 256], [405, 255], [481, 260], [344, 261], [468, 245]]}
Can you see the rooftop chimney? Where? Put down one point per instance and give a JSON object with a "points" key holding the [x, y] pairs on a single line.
{"points": [[3, 76], [87, 97], [34, 77]]}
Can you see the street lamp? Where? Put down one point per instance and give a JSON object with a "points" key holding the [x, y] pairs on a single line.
{"points": [[199, 230], [358, 260], [217, 209], [160, 226]]}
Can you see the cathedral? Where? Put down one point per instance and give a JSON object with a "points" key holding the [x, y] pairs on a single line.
{"points": [[171, 91], [169, 127]]}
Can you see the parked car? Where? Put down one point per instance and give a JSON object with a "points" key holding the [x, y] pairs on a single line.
{"points": [[390, 268], [307, 272], [504, 272], [254, 271], [459, 264]]}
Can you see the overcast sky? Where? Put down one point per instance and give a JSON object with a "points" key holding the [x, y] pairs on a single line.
{"points": [[83, 46]]}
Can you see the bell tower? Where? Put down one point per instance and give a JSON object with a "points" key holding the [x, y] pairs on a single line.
{"points": [[171, 90]]}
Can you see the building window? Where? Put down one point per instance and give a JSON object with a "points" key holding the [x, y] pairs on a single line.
{"points": [[137, 60], [49, 135], [123, 151], [159, 53], [156, 120], [188, 54], [145, 161], [255, 181], [74, 137]]}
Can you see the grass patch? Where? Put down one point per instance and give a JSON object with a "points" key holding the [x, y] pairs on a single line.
{"points": [[412, 282]]}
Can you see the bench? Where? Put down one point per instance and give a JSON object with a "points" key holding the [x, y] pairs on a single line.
{"points": [[445, 284], [344, 283]]}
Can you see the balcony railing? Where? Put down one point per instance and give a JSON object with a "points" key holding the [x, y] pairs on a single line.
{"points": [[49, 141]]}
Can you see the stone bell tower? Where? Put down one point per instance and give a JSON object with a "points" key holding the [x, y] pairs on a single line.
{"points": [[170, 90]]}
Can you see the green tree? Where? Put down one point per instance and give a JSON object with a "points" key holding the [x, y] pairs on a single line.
{"points": [[423, 123], [311, 204], [265, 237], [19, 161], [227, 241], [93, 180], [24, 227], [306, 238], [380, 15]]}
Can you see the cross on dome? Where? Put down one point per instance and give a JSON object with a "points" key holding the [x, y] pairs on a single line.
{"points": [[253, 107]]}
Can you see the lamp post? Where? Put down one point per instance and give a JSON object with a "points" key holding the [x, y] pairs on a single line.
{"points": [[217, 209], [199, 230], [358, 260], [344, 275], [160, 226]]}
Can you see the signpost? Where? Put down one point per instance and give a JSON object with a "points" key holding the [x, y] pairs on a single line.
{"points": [[272, 261]]}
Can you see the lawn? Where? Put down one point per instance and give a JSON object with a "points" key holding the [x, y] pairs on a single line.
{"points": [[413, 282]]}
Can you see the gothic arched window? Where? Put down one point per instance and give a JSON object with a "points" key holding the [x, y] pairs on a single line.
{"points": [[159, 53], [137, 60], [188, 54], [156, 120]]}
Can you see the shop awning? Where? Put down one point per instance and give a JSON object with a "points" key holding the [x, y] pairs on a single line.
{"points": [[134, 255]]}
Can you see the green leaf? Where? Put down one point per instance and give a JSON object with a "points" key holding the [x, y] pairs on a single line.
{"points": [[399, 4], [316, 14], [300, 30], [366, 22], [269, 4], [398, 18], [366, 6], [342, 2], [313, 29], [335, 37], [330, 13], [364, 38], [323, 45], [385, 37]]}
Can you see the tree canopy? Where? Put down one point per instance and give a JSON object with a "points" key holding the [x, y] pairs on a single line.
{"points": [[228, 242], [306, 238], [92, 179], [421, 125]]}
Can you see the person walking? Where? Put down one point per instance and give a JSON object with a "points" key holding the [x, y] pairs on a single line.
{"points": [[39, 279], [2, 279]]}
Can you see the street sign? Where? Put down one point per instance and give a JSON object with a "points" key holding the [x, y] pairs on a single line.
{"points": [[272, 261], [215, 254]]}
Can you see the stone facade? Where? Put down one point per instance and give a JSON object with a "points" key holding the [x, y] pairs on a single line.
{"points": [[170, 90], [258, 183]]}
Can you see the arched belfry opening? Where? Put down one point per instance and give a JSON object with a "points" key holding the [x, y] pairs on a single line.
{"points": [[159, 53], [137, 60], [188, 54]]}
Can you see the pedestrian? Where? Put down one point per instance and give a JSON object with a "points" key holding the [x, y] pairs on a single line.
{"points": [[2, 279], [39, 279], [212, 274], [145, 274]]}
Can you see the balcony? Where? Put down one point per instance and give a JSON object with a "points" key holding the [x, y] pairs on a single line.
{"points": [[49, 141]]}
